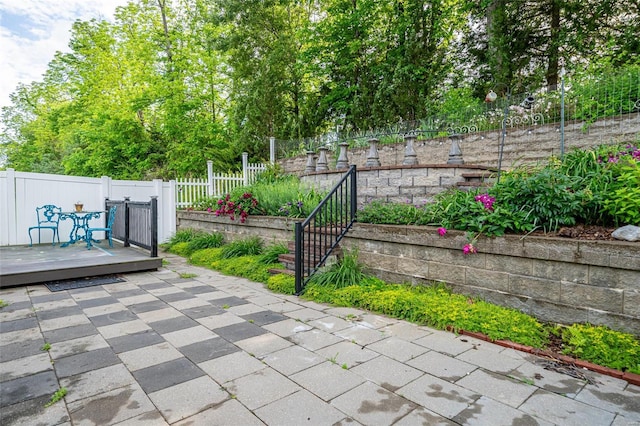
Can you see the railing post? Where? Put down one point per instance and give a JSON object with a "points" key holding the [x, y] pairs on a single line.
{"points": [[154, 226], [209, 178], [354, 193], [298, 257], [126, 221], [272, 150], [245, 166]]}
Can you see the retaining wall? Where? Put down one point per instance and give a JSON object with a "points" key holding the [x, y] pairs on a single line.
{"points": [[554, 279]]}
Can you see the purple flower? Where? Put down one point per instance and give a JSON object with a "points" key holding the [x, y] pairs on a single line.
{"points": [[442, 231], [469, 249]]}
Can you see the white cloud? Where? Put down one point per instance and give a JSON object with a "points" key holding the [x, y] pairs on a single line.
{"points": [[32, 31]]}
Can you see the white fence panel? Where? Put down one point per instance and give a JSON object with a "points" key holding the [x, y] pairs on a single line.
{"points": [[22, 192]]}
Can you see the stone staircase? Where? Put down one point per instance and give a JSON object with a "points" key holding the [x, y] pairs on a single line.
{"points": [[473, 180], [288, 260]]}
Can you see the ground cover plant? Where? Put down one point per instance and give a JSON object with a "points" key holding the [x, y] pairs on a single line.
{"points": [[347, 284]]}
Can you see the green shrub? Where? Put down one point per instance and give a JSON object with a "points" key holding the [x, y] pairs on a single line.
{"points": [[182, 236], [380, 212], [246, 247], [181, 249], [282, 283], [347, 271], [603, 346], [206, 257], [204, 241], [622, 201], [243, 266]]}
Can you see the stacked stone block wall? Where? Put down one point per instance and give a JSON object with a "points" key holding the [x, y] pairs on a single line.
{"points": [[556, 280]]}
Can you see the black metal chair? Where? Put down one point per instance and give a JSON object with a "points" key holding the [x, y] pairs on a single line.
{"points": [[48, 218], [106, 229]]}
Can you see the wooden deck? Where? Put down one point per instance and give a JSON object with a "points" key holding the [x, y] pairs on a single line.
{"points": [[23, 265]]}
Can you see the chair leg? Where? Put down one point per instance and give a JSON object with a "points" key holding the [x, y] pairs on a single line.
{"points": [[30, 239], [89, 236]]}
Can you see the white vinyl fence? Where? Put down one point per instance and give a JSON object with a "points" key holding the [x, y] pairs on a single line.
{"points": [[189, 191], [22, 192]]}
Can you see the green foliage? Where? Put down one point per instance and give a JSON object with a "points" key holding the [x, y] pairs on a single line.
{"points": [[434, 306], [3, 304], [205, 240], [603, 346], [622, 201], [270, 254], [46, 347], [181, 249], [347, 271], [182, 236], [282, 283], [243, 266], [380, 212], [206, 257], [251, 246], [57, 396]]}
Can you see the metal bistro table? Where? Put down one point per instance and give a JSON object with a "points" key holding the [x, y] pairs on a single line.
{"points": [[80, 224]]}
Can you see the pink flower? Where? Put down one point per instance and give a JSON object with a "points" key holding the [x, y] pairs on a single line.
{"points": [[442, 231], [469, 248]]}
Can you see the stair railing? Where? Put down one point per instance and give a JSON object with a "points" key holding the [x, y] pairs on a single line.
{"points": [[320, 233]]}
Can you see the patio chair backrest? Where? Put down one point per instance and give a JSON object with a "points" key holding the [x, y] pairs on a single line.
{"points": [[48, 214]]}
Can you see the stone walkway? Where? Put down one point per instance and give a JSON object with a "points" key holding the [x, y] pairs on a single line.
{"points": [[188, 346]]}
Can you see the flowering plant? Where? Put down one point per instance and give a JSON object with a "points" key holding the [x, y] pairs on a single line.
{"points": [[239, 207]]}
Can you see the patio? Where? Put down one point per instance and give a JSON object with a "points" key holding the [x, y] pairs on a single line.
{"points": [[185, 345]]}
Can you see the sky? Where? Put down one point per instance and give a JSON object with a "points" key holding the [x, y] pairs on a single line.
{"points": [[32, 31]]}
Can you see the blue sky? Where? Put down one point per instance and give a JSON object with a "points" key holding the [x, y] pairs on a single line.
{"points": [[32, 31]]}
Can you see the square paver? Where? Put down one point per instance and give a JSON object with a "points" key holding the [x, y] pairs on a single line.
{"points": [[347, 353], [228, 301], [111, 407], [85, 361], [497, 386], [200, 289], [47, 314], [28, 387], [220, 415], [92, 303], [68, 333], [113, 318], [202, 311], [174, 297], [173, 324], [190, 335], [77, 346], [327, 380], [370, 404], [489, 411], [360, 334], [231, 366], [387, 372], [443, 366], [63, 322], [149, 355], [314, 339], [152, 305], [287, 328], [155, 286], [286, 411], [239, 331], [21, 324], [292, 360], [21, 349], [208, 349], [34, 412], [188, 398], [262, 345], [123, 329], [219, 321], [160, 314], [261, 388], [170, 373], [264, 317], [398, 349], [94, 382], [24, 366], [559, 409], [130, 342]]}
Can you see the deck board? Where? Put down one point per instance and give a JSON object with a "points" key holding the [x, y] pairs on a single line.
{"points": [[23, 265]]}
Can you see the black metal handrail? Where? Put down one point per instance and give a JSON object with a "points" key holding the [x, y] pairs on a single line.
{"points": [[136, 223], [320, 233]]}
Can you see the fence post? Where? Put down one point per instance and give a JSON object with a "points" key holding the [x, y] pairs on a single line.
{"points": [[154, 226], [126, 221], [272, 150], [245, 166], [12, 207], [210, 190]]}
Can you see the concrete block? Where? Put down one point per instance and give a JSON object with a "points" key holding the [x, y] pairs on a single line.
{"points": [[514, 265], [414, 172], [446, 272], [537, 288], [383, 190], [413, 267], [560, 271], [488, 279], [631, 304], [431, 181], [591, 297], [390, 174]]}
